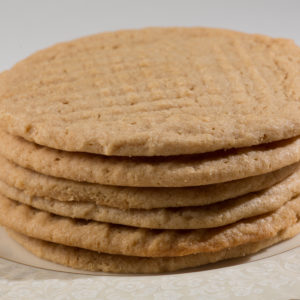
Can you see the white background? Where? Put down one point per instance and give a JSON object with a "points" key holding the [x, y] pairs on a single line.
{"points": [[26, 26]]}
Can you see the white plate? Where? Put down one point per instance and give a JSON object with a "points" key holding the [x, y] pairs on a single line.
{"points": [[266, 275]]}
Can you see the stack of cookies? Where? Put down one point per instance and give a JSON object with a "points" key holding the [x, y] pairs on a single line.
{"points": [[152, 150]]}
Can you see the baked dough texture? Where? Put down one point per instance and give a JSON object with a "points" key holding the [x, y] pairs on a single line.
{"points": [[174, 171], [124, 240], [152, 150], [94, 261], [38, 185], [215, 215], [156, 91]]}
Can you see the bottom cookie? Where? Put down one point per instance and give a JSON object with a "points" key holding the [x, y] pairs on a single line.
{"points": [[93, 261]]}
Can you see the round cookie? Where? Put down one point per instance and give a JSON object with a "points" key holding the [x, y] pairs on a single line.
{"points": [[215, 215], [156, 91], [124, 240], [174, 171], [92, 261], [39, 185]]}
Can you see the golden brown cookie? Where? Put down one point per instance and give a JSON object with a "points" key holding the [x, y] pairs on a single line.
{"points": [[215, 215], [92, 261], [156, 91], [38, 185], [124, 240], [174, 171]]}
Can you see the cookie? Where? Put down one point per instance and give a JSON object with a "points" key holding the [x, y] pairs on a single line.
{"points": [[156, 91], [92, 261], [175, 171], [38, 185], [215, 215], [124, 240]]}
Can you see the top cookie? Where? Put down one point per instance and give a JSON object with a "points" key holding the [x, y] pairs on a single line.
{"points": [[156, 91]]}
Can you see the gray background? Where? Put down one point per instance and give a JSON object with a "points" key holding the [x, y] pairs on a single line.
{"points": [[26, 26]]}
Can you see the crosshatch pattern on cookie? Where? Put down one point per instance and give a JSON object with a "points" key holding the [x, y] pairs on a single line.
{"points": [[156, 91]]}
